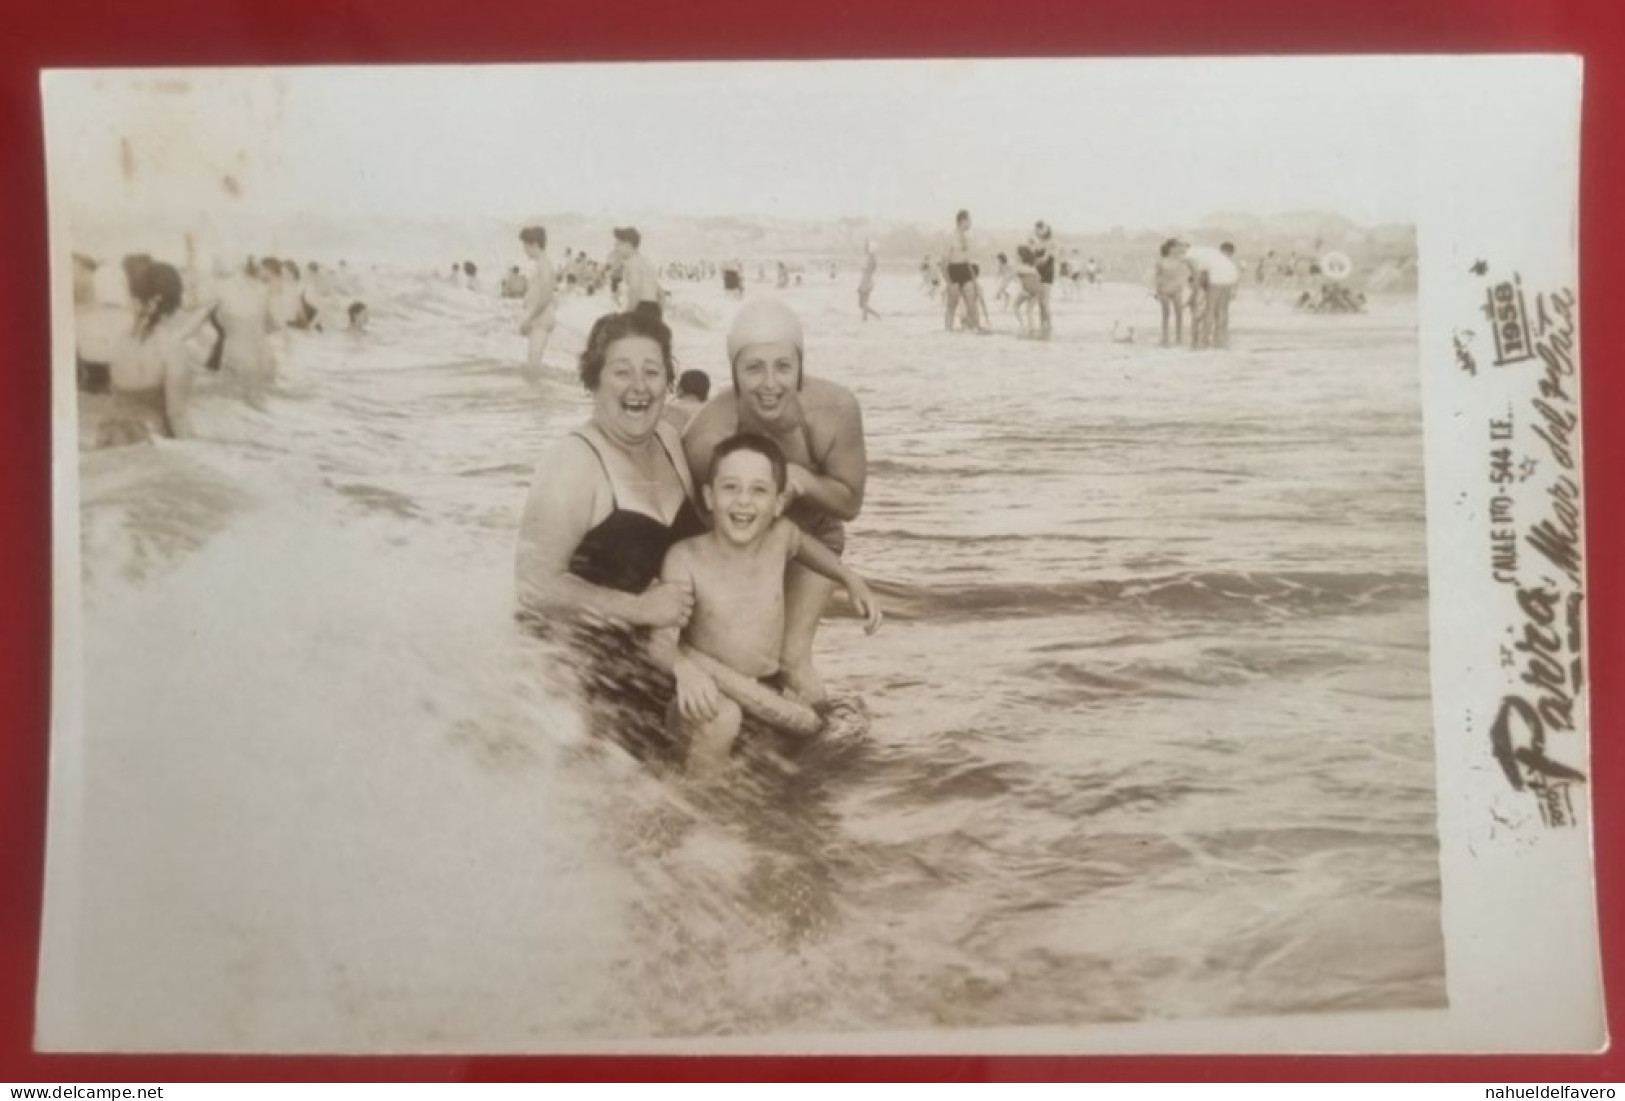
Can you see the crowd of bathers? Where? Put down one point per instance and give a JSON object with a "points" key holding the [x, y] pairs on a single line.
{"points": [[141, 327], [956, 276], [1197, 280]]}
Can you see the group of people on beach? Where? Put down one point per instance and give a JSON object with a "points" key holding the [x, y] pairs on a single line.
{"points": [[1199, 278], [957, 278], [687, 567]]}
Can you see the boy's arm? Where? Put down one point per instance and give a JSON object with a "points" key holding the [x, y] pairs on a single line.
{"points": [[662, 644], [697, 694], [823, 561]]}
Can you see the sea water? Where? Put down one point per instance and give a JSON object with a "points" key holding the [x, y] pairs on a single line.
{"points": [[1150, 729]]}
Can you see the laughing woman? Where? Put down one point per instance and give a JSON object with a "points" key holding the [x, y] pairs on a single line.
{"points": [[606, 504]]}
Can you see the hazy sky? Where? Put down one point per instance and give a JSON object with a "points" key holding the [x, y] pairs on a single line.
{"points": [[1086, 144]]}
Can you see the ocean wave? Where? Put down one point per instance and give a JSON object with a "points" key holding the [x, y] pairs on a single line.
{"points": [[896, 467], [1021, 538], [1186, 593]]}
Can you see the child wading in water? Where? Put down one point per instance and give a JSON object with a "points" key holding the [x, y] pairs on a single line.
{"points": [[1026, 304], [737, 573]]}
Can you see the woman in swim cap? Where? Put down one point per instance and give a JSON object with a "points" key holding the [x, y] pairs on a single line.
{"points": [[819, 427]]}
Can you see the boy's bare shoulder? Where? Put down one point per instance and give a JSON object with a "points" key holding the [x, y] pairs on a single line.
{"points": [[784, 536], [684, 550], [696, 556]]}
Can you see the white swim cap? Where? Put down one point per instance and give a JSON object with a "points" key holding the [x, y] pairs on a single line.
{"points": [[764, 321]]}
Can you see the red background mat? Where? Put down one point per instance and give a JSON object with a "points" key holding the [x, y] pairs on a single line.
{"points": [[235, 32]]}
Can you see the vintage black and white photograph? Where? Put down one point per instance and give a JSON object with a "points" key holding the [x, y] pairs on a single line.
{"points": [[804, 556]]}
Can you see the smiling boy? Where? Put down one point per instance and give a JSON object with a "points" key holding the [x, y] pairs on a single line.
{"points": [[818, 426], [737, 573]]}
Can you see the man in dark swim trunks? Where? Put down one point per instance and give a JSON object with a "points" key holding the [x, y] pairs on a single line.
{"points": [[819, 427], [961, 278], [1044, 260]]}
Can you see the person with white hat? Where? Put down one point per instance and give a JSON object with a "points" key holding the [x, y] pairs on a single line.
{"points": [[1214, 277], [819, 427]]}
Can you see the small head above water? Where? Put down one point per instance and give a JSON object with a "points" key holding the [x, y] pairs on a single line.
{"points": [[694, 383]]}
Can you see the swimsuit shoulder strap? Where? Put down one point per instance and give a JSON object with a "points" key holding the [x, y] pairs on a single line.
{"points": [[680, 469], [806, 436], [614, 501]]}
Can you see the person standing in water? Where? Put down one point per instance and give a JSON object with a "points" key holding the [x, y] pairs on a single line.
{"points": [[637, 274], [101, 319], [1224, 275], [1214, 277], [1173, 284], [541, 307], [246, 314], [1044, 261], [866, 285], [1026, 275], [150, 372], [961, 274], [819, 427], [607, 502]]}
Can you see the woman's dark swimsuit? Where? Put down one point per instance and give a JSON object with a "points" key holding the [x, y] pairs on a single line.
{"points": [[628, 694], [625, 550]]}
